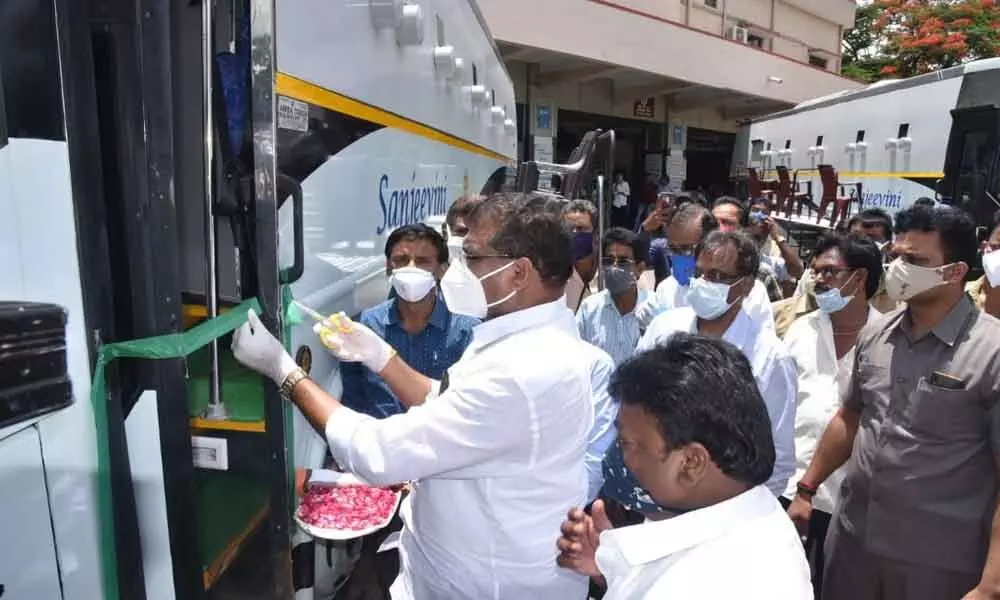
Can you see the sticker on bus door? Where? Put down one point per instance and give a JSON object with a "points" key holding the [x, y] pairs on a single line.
{"points": [[293, 114]]}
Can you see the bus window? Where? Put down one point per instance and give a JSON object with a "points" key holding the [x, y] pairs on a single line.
{"points": [[977, 153]]}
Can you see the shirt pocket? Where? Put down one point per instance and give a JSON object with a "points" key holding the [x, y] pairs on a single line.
{"points": [[943, 414]]}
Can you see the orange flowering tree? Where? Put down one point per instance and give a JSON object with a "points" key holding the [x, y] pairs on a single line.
{"points": [[903, 38]]}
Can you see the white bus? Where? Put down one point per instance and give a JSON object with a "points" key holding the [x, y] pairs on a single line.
{"points": [[935, 136], [151, 176]]}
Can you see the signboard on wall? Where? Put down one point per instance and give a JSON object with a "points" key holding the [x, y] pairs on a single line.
{"points": [[543, 117], [645, 109], [543, 153]]}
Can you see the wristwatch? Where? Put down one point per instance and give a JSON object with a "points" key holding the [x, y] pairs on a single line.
{"points": [[805, 490], [291, 381]]}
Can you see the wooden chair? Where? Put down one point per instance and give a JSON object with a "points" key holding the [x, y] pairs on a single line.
{"points": [[759, 188], [788, 195], [833, 193]]}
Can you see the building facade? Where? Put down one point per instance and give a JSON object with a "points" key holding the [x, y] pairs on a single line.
{"points": [[674, 78]]}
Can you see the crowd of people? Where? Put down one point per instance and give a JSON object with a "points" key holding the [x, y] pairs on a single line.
{"points": [[724, 416]]}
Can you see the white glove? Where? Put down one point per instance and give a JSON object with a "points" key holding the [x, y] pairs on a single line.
{"points": [[353, 342], [646, 312], [255, 347]]}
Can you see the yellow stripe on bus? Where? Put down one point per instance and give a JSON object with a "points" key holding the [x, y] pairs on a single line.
{"points": [[304, 91], [870, 174]]}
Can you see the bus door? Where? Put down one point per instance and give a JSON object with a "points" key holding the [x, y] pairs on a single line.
{"points": [[971, 170]]}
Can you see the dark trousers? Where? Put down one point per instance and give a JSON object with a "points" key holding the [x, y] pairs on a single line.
{"points": [[813, 545], [853, 573], [621, 217]]}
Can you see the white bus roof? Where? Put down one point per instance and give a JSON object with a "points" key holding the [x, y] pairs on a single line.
{"points": [[886, 85]]}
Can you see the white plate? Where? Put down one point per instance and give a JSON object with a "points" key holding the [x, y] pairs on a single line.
{"points": [[333, 479]]}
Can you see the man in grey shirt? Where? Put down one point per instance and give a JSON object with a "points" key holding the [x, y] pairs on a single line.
{"points": [[919, 428]]}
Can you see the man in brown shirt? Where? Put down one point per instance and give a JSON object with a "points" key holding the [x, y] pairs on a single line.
{"points": [[917, 517]]}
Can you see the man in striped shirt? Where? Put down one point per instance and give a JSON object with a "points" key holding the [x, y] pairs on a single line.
{"points": [[607, 319]]}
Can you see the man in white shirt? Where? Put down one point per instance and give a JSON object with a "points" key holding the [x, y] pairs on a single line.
{"points": [[696, 435], [726, 269], [685, 230], [847, 273], [496, 449]]}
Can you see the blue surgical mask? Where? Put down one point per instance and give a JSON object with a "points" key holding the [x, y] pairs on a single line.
{"points": [[710, 299], [682, 268], [832, 300], [583, 245]]}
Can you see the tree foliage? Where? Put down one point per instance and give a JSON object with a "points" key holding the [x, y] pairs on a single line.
{"points": [[903, 38]]}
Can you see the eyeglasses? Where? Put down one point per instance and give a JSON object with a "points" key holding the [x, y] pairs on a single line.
{"points": [[614, 261], [717, 276], [830, 272]]}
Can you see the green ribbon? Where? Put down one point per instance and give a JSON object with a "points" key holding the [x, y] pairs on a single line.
{"points": [[173, 345]]}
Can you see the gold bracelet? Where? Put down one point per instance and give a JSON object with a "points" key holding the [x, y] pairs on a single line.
{"points": [[293, 379]]}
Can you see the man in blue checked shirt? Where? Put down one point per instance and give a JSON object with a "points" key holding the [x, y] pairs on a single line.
{"points": [[415, 321], [607, 319]]}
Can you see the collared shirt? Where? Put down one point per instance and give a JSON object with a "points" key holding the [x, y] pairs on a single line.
{"points": [[822, 380], [921, 482], [436, 347], [670, 294], [773, 368], [601, 324], [497, 460], [744, 547], [604, 432]]}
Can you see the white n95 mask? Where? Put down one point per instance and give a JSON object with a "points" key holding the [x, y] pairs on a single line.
{"points": [[412, 283], [463, 291]]}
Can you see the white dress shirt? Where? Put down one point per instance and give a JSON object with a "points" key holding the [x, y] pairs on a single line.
{"points": [[603, 434], [743, 548], [822, 380], [496, 459], [773, 368], [670, 294]]}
